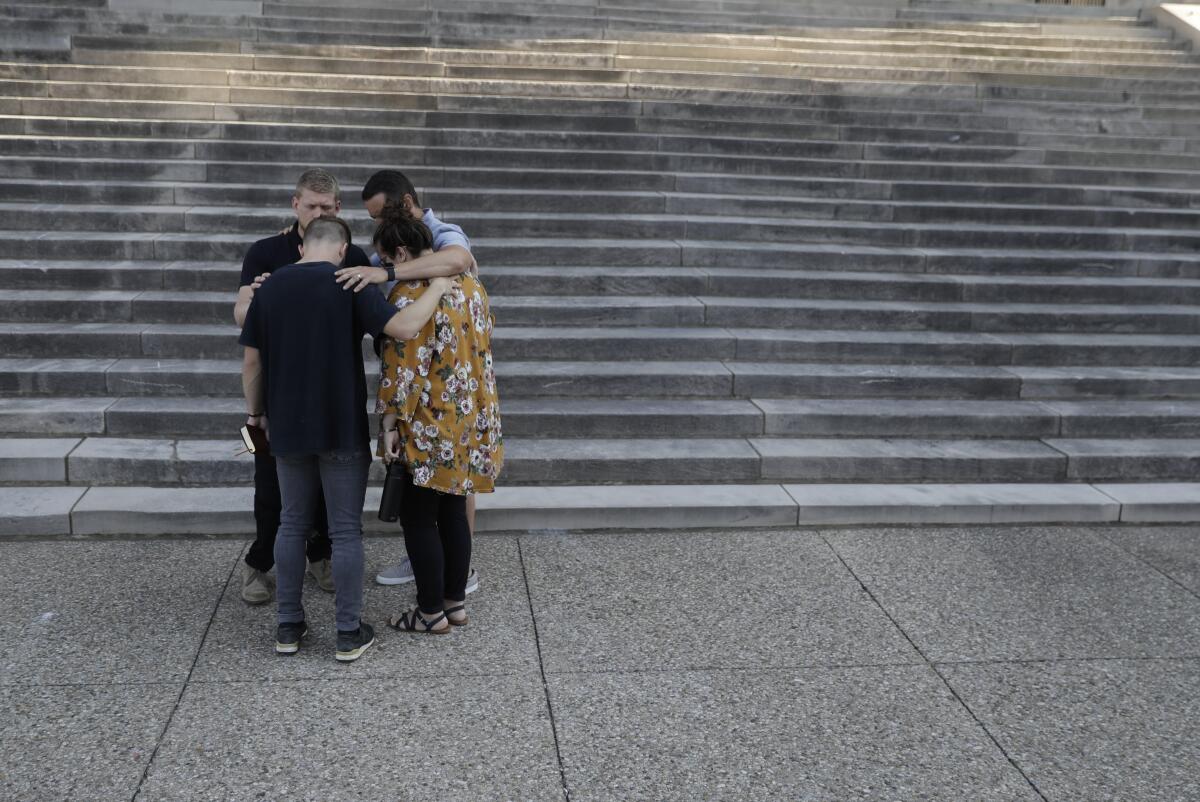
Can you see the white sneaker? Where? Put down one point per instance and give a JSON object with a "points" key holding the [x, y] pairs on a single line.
{"points": [[398, 574], [401, 573]]}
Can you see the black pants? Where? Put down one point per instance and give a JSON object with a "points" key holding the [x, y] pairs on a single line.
{"points": [[267, 506], [439, 544]]}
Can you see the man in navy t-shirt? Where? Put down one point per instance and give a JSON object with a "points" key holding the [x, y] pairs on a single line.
{"points": [[304, 383], [317, 193]]}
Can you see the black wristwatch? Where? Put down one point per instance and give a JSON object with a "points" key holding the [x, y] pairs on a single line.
{"points": [[391, 272]]}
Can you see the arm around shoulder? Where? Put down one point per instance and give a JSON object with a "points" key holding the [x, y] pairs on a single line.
{"points": [[408, 322]]}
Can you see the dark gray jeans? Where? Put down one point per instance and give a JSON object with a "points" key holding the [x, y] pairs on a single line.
{"points": [[343, 477]]}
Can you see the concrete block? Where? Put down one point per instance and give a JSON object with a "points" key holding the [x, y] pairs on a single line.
{"points": [[908, 460], [629, 460], [172, 377], [871, 504], [123, 461], [634, 506], [926, 418], [773, 380], [37, 510], [29, 460], [206, 462], [175, 416], [608, 379], [63, 377], [51, 416], [1155, 502], [162, 510]]}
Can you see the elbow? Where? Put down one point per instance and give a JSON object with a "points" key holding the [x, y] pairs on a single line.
{"points": [[460, 259]]}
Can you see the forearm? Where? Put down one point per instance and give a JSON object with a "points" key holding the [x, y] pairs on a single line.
{"points": [[244, 297], [449, 261], [388, 421], [408, 322], [252, 388]]}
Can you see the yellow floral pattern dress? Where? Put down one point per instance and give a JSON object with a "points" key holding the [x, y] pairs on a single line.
{"points": [[442, 388]]}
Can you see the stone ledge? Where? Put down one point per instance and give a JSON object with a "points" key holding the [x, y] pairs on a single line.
{"points": [[1183, 19], [1157, 502], [952, 504], [111, 511]]}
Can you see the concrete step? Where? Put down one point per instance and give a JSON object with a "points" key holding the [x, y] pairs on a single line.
{"points": [[797, 57], [918, 93], [662, 133], [663, 116], [83, 511], [110, 306], [545, 169], [762, 197], [192, 418], [150, 207], [663, 283], [763, 75], [594, 150], [616, 379], [619, 151], [174, 248], [174, 341], [171, 223], [631, 282], [118, 461]]}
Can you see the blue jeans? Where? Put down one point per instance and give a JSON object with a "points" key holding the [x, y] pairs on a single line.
{"points": [[342, 475]]}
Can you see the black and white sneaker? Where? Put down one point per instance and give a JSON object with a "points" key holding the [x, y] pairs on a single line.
{"points": [[352, 644], [288, 637]]}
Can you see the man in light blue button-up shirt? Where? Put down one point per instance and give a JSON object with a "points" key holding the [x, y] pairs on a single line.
{"points": [[451, 247]]}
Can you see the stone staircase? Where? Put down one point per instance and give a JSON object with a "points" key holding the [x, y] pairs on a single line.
{"points": [[752, 262]]}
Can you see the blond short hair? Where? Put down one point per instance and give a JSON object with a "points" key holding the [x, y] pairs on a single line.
{"points": [[319, 181]]}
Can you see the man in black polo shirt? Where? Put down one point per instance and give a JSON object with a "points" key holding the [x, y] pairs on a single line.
{"points": [[302, 377], [317, 193]]}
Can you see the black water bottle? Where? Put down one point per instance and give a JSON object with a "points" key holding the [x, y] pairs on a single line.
{"points": [[393, 493]]}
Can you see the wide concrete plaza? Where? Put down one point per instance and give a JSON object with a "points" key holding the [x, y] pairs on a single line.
{"points": [[898, 664]]}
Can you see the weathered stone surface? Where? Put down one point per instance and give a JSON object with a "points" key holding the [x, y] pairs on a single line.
{"points": [[951, 503]]}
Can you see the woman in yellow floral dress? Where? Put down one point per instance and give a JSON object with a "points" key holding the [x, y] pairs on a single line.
{"points": [[440, 417]]}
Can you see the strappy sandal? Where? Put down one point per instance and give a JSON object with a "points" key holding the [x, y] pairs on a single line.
{"points": [[413, 621], [450, 611]]}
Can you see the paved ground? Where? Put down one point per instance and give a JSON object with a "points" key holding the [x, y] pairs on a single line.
{"points": [[949, 664]]}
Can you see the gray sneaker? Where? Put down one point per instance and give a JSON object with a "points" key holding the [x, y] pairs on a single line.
{"points": [[402, 573], [322, 571], [256, 586], [398, 574]]}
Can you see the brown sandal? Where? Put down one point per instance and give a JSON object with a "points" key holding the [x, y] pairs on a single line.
{"points": [[450, 611], [413, 621]]}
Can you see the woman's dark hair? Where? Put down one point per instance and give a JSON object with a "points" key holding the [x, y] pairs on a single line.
{"points": [[397, 229], [393, 184]]}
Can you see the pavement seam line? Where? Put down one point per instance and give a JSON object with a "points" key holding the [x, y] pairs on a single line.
{"points": [[933, 667], [537, 642], [187, 680], [71, 512], [1148, 564]]}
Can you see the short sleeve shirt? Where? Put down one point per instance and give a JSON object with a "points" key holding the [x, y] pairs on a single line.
{"points": [[308, 332], [444, 235], [270, 254]]}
